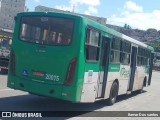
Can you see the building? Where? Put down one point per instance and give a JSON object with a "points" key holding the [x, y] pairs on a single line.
{"points": [[8, 10], [47, 9]]}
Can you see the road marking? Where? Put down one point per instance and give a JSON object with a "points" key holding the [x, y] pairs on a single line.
{"points": [[6, 90]]}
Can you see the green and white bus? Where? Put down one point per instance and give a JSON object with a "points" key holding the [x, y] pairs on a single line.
{"points": [[73, 58]]}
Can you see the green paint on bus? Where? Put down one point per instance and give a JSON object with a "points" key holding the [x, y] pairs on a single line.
{"points": [[50, 54]]}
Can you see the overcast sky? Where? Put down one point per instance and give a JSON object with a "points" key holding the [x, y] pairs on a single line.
{"points": [[141, 14]]}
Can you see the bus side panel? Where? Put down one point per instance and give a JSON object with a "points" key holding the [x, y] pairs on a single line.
{"points": [[74, 91], [124, 79], [139, 78], [113, 74], [120, 73], [71, 93], [90, 83], [91, 72]]}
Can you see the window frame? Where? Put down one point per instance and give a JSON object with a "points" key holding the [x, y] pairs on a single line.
{"points": [[123, 51], [87, 44], [143, 55], [49, 16], [116, 50]]}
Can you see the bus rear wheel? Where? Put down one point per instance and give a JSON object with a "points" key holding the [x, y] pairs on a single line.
{"points": [[144, 84], [113, 93]]}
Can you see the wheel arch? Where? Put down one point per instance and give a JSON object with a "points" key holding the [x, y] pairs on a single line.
{"points": [[110, 100], [117, 81]]}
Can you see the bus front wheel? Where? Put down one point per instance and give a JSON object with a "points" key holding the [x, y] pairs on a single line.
{"points": [[113, 93]]}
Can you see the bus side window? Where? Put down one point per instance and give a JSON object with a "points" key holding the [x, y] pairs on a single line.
{"points": [[142, 58], [125, 52], [115, 52], [92, 45]]}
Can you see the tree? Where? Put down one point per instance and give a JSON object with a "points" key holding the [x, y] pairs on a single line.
{"points": [[128, 27], [125, 26]]}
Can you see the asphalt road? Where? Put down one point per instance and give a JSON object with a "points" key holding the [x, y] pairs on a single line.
{"points": [[15, 100]]}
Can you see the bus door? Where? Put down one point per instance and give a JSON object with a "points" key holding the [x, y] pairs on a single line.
{"points": [[133, 67], [104, 61], [150, 68]]}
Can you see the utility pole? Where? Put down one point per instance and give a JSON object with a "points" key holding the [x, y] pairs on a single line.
{"points": [[74, 6]]}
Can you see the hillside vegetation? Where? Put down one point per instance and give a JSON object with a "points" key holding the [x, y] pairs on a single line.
{"points": [[150, 36]]}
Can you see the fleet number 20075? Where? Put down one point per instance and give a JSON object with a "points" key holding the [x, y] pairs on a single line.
{"points": [[52, 77]]}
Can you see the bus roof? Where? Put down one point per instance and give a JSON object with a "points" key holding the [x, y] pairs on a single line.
{"points": [[100, 26], [120, 35]]}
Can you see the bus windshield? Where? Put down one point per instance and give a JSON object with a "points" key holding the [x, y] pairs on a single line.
{"points": [[46, 30]]}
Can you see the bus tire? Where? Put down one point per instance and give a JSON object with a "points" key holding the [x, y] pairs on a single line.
{"points": [[141, 90], [144, 84], [113, 93]]}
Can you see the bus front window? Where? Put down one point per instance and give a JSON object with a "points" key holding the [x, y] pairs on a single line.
{"points": [[46, 30]]}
